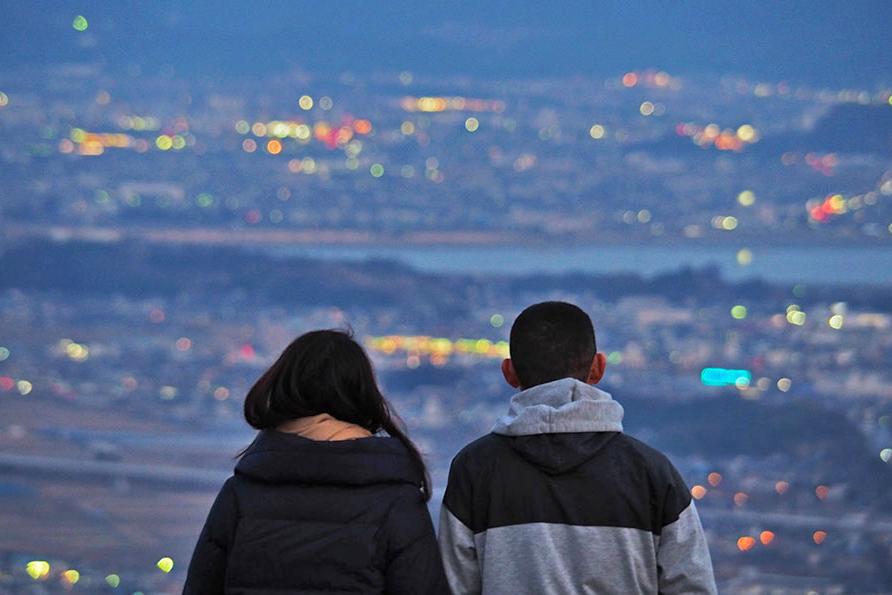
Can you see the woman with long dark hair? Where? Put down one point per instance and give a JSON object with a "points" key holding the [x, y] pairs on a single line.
{"points": [[320, 502]]}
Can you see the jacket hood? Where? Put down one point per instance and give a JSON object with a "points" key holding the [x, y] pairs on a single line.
{"points": [[560, 453], [278, 457], [559, 407], [560, 425]]}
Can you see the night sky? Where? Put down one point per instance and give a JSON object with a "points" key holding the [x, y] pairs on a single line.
{"points": [[818, 43]]}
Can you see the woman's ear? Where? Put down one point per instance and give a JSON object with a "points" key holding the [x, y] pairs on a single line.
{"points": [[509, 373], [596, 372]]}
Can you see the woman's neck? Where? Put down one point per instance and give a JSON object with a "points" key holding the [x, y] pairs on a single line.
{"points": [[324, 427]]}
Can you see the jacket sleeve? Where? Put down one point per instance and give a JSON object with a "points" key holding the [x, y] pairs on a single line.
{"points": [[456, 537], [683, 561], [208, 566], [413, 564]]}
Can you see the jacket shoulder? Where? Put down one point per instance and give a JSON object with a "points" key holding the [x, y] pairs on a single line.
{"points": [[486, 444], [471, 469], [654, 459], [481, 453], [667, 483]]}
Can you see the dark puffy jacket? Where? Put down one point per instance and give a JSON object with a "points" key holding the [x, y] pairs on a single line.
{"points": [[301, 516]]}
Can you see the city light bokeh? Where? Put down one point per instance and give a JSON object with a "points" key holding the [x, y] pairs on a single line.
{"points": [[176, 207]]}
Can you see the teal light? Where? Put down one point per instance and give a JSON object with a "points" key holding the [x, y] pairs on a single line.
{"points": [[725, 377]]}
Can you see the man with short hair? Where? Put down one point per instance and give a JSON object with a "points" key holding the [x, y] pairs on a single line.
{"points": [[557, 499]]}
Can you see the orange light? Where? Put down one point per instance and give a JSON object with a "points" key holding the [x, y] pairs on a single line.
{"points": [[438, 359], [766, 537], [698, 492], [740, 498], [819, 536], [343, 135], [821, 492], [321, 131], [274, 147], [362, 126], [431, 104], [714, 478], [630, 79], [781, 487], [746, 543]]}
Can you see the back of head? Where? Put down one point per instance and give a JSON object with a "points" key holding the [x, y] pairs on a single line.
{"points": [[323, 371], [550, 341], [326, 371]]}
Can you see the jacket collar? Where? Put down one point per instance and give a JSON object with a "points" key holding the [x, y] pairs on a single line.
{"points": [[278, 457]]}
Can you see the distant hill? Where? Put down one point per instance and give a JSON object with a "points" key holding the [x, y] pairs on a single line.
{"points": [[846, 128], [849, 128], [729, 427], [147, 270]]}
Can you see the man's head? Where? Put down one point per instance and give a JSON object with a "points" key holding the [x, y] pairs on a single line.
{"points": [[550, 341]]}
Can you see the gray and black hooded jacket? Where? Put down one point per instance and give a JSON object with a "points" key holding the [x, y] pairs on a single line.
{"points": [[557, 499]]}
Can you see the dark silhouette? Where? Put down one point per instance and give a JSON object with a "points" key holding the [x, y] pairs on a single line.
{"points": [[318, 503], [557, 499]]}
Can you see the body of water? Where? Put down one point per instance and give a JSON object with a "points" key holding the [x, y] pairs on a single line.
{"points": [[793, 264]]}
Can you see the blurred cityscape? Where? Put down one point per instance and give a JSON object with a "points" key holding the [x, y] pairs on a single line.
{"points": [[163, 237], [403, 158]]}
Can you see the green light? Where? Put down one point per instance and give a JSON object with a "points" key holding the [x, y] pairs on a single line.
{"points": [[738, 312], [614, 358], [377, 170], [497, 320], [165, 564], [80, 23], [113, 580]]}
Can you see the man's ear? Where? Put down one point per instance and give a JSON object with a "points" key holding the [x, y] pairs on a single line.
{"points": [[596, 372], [509, 373]]}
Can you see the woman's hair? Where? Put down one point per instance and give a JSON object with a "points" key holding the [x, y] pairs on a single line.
{"points": [[326, 371]]}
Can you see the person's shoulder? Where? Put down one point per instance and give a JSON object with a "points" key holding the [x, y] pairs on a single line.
{"points": [[481, 449], [230, 484], [403, 496], [480, 454], [658, 463]]}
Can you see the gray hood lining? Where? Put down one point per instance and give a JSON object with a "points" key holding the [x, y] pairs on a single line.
{"points": [[562, 406]]}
